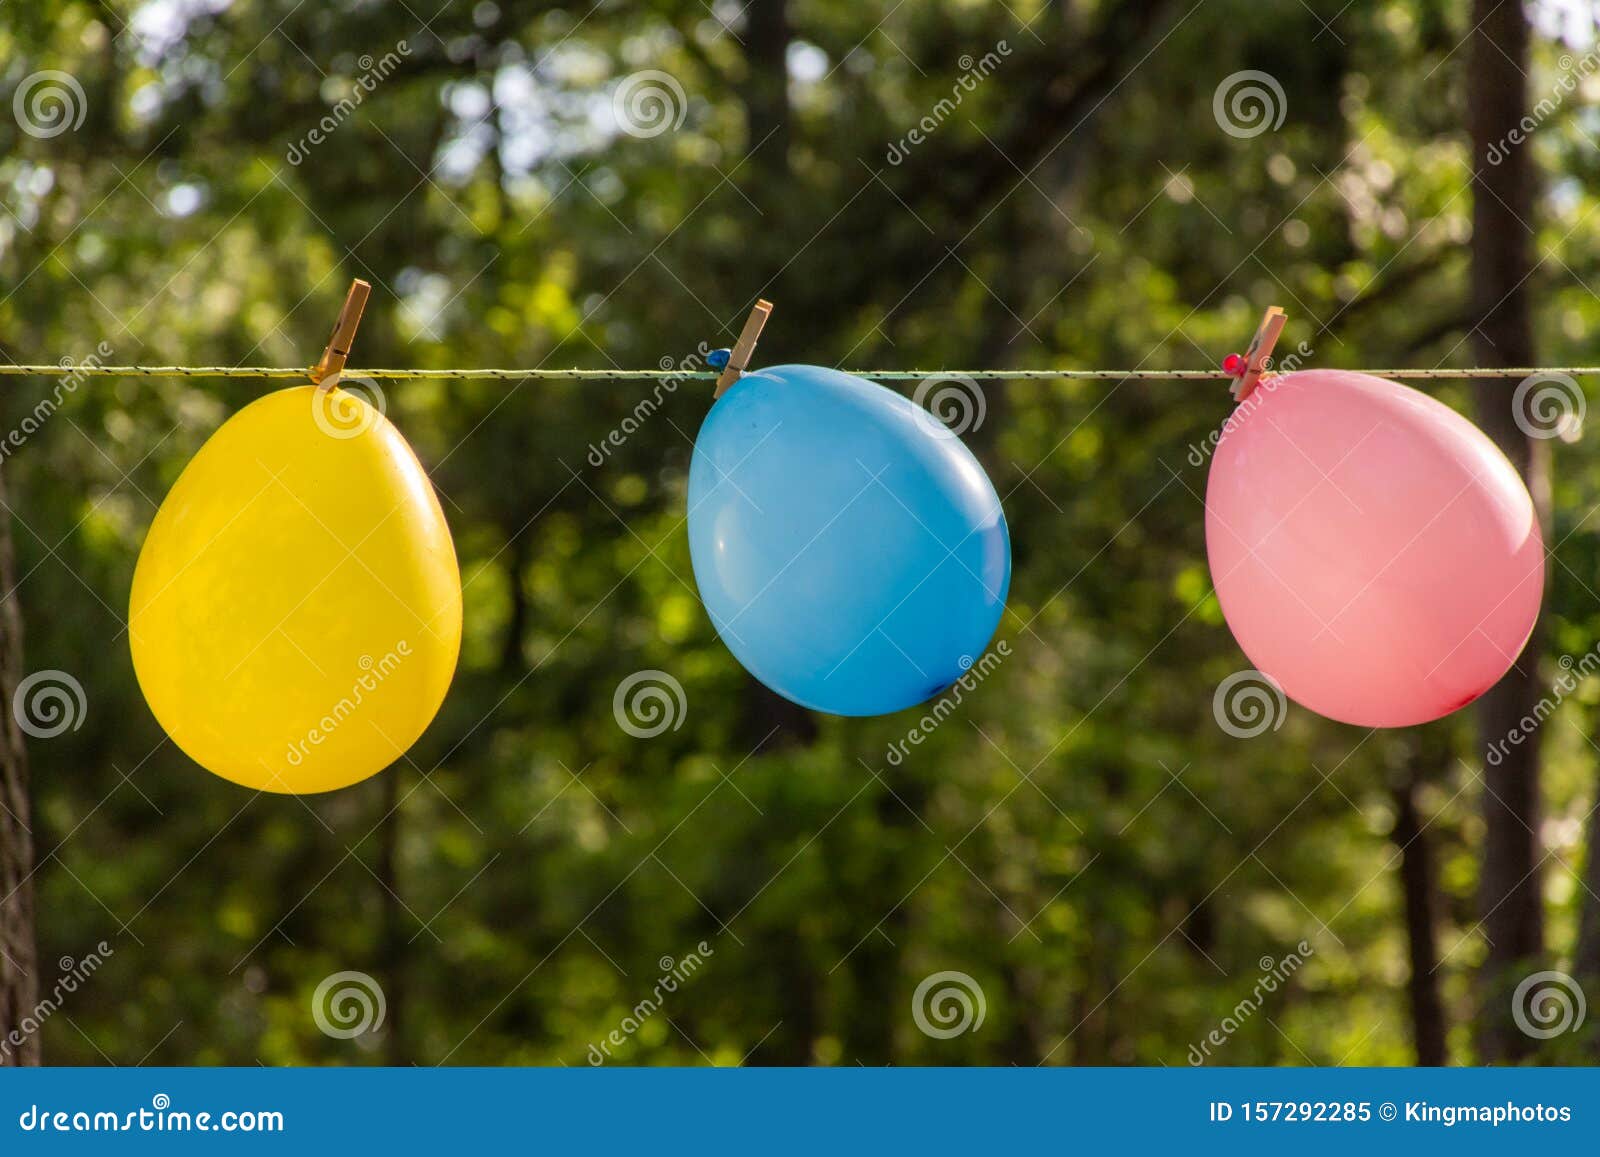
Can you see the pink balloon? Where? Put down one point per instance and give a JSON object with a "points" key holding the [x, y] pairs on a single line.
{"points": [[1373, 550]]}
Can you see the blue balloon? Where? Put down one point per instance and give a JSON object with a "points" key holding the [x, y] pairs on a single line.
{"points": [[850, 550]]}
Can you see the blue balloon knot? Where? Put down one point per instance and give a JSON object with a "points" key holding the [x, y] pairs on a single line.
{"points": [[718, 359]]}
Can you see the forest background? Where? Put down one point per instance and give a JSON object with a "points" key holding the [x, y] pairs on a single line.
{"points": [[1089, 859]]}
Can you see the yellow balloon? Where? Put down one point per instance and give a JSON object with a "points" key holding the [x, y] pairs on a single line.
{"points": [[296, 609]]}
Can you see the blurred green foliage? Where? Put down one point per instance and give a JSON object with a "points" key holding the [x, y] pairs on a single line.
{"points": [[1081, 838]]}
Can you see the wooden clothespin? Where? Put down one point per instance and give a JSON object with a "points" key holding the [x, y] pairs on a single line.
{"points": [[1257, 357], [744, 347], [328, 368]]}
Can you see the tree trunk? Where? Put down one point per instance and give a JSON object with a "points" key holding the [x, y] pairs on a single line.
{"points": [[1417, 885], [793, 1040], [393, 941], [1586, 961], [18, 958], [765, 93], [512, 659], [1502, 217]]}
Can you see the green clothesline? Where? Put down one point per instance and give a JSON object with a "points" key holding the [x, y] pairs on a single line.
{"points": [[294, 373]]}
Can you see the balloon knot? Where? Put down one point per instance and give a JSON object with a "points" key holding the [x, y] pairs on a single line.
{"points": [[718, 359]]}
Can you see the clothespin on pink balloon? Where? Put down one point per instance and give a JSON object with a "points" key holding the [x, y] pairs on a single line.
{"points": [[744, 348], [328, 368], [1256, 360]]}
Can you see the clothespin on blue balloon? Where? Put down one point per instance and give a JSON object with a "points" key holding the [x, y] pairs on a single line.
{"points": [[733, 362]]}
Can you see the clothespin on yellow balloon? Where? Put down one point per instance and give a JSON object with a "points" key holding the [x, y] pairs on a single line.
{"points": [[745, 347], [295, 617], [1257, 359], [328, 368]]}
